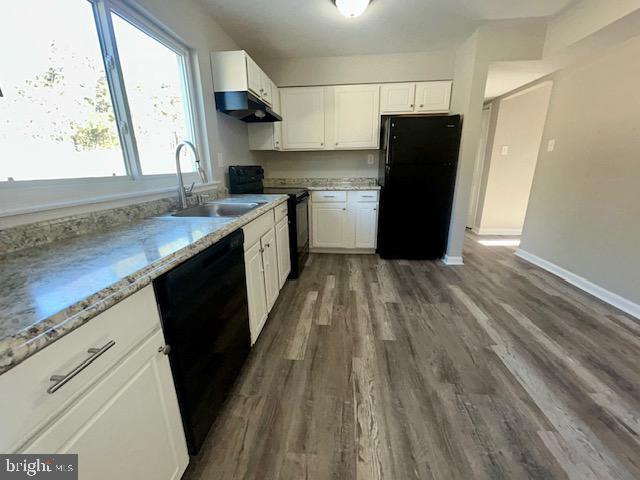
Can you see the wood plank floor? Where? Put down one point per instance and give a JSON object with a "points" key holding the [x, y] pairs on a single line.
{"points": [[371, 369]]}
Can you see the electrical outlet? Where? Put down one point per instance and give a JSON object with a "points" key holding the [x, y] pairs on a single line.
{"points": [[505, 150], [221, 159], [370, 159], [551, 146]]}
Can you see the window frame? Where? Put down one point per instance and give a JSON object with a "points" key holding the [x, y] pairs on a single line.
{"points": [[149, 183]]}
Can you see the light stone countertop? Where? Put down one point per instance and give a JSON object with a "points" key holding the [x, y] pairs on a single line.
{"points": [[50, 290]]}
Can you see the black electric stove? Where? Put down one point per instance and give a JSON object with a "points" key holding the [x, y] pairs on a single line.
{"points": [[248, 179]]}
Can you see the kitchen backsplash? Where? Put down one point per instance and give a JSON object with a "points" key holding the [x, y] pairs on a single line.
{"points": [[318, 182]]}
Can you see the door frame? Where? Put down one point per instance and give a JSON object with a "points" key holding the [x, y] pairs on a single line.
{"points": [[481, 154]]}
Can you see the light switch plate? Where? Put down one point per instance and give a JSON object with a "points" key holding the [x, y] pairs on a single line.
{"points": [[220, 159], [505, 150], [370, 159], [551, 145]]}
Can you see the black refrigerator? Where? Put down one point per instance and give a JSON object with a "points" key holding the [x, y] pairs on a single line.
{"points": [[417, 175]]}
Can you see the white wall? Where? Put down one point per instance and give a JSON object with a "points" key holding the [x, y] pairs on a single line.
{"points": [[520, 120], [585, 201], [503, 40], [343, 164], [192, 23], [401, 67]]}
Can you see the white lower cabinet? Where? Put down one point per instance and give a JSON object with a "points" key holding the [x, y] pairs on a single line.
{"points": [[265, 270], [344, 220], [366, 220], [128, 426], [329, 225], [257, 297], [284, 256], [270, 261], [119, 412]]}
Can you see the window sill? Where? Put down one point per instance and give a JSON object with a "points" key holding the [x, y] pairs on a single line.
{"points": [[98, 202]]}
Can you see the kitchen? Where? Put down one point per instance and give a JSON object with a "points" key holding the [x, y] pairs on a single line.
{"points": [[263, 274]]}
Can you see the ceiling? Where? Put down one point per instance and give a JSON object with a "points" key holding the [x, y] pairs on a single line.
{"points": [[314, 28], [504, 77]]}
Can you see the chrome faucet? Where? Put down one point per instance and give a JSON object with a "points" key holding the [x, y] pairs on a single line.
{"points": [[184, 192]]}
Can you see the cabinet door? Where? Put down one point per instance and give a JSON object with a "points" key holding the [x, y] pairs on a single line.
{"points": [[397, 98], [302, 118], [329, 225], [433, 96], [255, 290], [356, 117], [266, 88], [277, 135], [366, 220], [275, 99], [128, 426], [284, 254], [270, 262], [254, 77]]}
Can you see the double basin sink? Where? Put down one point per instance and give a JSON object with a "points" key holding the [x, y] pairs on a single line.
{"points": [[218, 209]]}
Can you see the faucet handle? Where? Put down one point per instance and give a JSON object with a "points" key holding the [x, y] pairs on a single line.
{"points": [[189, 191]]}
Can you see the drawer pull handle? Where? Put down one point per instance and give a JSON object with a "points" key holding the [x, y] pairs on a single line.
{"points": [[61, 380], [367, 196], [329, 196]]}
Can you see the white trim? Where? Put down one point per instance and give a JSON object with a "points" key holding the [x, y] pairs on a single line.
{"points": [[452, 261], [346, 251], [497, 231], [597, 291]]}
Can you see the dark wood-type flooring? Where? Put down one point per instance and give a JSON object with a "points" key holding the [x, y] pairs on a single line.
{"points": [[371, 369]]}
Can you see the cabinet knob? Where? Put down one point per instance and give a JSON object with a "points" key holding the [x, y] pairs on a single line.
{"points": [[322, 144], [336, 144], [421, 105], [344, 209], [165, 349], [411, 105]]}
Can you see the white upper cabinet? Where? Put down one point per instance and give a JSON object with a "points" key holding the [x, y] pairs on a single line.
{"points": [[236, 71], [266, 88], [422, 97], [397, 98], [433, 96], [254, 77], [356, 121], [275, 98], [303, 118]]}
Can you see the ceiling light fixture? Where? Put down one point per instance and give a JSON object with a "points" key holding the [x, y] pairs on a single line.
{"points": [[351, 8]]}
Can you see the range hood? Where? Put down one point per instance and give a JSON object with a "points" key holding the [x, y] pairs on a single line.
{"points": [[245, 106]]}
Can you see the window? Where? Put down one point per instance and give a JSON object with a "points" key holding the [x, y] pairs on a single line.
{"points": [[56, 117], [64, 115]]}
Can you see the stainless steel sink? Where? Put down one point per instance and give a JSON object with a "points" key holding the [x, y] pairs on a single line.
{"points": [[218, 209]]}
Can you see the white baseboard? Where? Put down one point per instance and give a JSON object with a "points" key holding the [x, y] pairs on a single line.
{"points": [[498, 231], [452, 261], [345, 251], [597, 291]]}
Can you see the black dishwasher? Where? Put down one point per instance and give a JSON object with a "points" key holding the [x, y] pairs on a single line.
{"points": [[205, 318]]}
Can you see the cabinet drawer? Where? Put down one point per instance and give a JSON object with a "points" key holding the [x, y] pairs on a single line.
{"points": [[281, 211], [329, 196], [25, 404], [364, 196], [257, 228]]}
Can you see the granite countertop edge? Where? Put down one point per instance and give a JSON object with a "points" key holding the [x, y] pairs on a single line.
{"points": [[16, 348]]}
